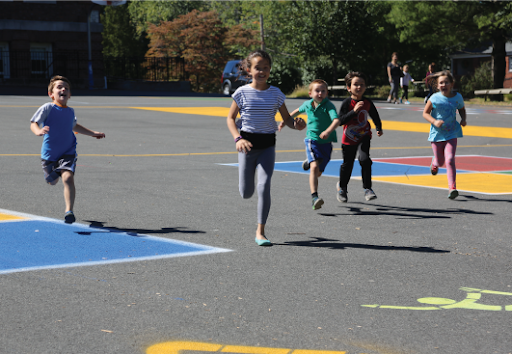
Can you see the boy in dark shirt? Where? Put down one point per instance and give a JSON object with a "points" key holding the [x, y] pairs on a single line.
{"points": [[357, 133]]}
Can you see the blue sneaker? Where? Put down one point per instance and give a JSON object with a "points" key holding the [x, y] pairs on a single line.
{"points": [[369, 194], [317, 203]]}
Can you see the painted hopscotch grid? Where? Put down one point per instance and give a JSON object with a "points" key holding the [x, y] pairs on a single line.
{"points": [[31, 242], [475, 173]]}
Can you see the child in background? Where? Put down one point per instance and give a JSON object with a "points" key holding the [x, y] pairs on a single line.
{"points": [[321, 133], [441, 112], [404, 83], [357, 133], [258, 103], [431, 90], [57, 122]]}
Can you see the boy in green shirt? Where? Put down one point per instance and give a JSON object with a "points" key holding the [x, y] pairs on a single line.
{"points": [[322, 123]]}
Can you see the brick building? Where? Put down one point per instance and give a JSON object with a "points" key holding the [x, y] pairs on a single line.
{"points": [[39, 39]]}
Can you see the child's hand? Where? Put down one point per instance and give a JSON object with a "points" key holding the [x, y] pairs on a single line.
{"points": [[379, 132], [358, 106], [463, 122], [299, 124], [281, 126], [438, 123], [243, 145], [325, 134], [44, 131], [98, 135]]}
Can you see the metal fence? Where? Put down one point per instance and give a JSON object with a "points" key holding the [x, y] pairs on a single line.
{"points": [[147, 69], [43, 64], [74, 65]]}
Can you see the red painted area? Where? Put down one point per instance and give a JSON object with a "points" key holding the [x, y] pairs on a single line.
{"points": [[469, 163]]}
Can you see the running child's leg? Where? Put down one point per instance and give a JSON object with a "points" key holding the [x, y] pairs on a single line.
{"points": [[246, 170], [69, 189], [349, 156], [265, 169], [449, 152], [314, 173], [438, 148], [365, 162]]}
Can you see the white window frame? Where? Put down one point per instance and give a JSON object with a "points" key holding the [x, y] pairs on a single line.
{"points": [[5, 70], [42, 51]]}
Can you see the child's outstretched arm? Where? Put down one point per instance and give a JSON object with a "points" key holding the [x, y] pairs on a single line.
{"points": [[462, 112], [34, 126], [426, 114], [289, 120], [83, 130]]}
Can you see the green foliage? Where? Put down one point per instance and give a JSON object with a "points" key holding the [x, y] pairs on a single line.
{"points": [[480, 80], [143, 13], [118, 35], [285, 74]]}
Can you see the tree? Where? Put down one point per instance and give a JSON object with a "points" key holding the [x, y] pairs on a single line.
{"points": [[118, 34], [202, 40], [143, 13], [345, 32], [456, 24]]}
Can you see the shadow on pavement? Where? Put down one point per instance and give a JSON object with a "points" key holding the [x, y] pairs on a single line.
{"points": [[413, 213], [135, 232], [321, 242]]}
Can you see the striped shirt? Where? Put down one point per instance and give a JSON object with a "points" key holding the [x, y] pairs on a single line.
{"points": [[258, 108]]}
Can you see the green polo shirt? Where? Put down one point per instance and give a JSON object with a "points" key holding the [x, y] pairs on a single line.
{"points": [[319, 119]]}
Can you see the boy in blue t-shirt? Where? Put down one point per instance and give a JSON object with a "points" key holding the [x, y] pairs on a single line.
{"points": [[321, 133], [57, 122]]}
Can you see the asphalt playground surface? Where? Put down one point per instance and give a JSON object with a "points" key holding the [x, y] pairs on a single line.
{"points": [[162, 258]]}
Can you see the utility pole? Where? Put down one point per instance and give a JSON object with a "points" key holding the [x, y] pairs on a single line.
{"points": [[262, 33]]}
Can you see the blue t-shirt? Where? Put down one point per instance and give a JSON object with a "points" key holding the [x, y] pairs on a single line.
{"points": [[319, 119], [445, 109], [60, 140]]}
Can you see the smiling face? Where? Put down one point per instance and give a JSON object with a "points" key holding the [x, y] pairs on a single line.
{"points": [[357, 88], [60, 93], [318, 92], [444, 85], [259, 71]]}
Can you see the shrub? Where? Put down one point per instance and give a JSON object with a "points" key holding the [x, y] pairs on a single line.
{"points": [[480, 80], [285, 75]]}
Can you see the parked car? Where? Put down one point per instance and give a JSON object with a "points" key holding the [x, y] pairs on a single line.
{"points": [[233, 77]]}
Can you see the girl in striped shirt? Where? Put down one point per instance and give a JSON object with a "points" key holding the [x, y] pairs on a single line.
{"points": [[258, 104]]}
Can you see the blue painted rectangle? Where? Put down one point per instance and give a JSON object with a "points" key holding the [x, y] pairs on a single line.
{"points": [[41, 244], [378, 169]]}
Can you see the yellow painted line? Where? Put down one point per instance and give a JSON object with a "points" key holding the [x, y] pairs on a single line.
{"points": [[277, 151], [9, 217], [488, 183], [179, 346], [489, 132]]}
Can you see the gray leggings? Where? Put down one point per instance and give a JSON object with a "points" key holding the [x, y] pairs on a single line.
{"points": [[261, 160]]}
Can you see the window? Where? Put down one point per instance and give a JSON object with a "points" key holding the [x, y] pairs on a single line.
{"points": [[510, 64], [4, 61], [41, 60]]}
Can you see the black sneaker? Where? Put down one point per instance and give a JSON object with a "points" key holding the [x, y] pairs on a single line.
{"points": [[369, 194], [69, 217], [341, 194], [453, 193], [305, 165]]}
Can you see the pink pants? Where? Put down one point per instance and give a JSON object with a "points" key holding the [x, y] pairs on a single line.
{"points": [[444, 151]]}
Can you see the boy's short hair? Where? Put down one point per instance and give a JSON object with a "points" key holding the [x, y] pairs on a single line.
{"points": [[318, 82], [406, 66], [353, 74], [58, 78]]}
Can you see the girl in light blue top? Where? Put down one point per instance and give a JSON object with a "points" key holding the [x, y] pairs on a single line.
{"points": [[441, 112]]}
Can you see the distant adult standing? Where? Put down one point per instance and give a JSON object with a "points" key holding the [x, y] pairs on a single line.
{"points": [[431, 70], [394, 75]]}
